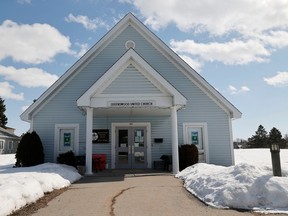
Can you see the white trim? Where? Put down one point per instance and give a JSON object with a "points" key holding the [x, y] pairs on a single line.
{"points": [[203, 126], [89, 128], [2, 144], [10, 145], [231, 142], [131, 124], [130, 44], [158, 101], [130, 57], [174, 139], [58, 127]]}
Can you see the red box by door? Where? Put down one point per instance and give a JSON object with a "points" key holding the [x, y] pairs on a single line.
{"points": [[98, 162]]}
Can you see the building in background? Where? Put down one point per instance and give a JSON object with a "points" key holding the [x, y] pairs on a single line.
{"points": [[8, 141]]}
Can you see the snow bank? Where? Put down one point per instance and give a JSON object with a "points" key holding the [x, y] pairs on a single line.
{"points": [[7, 161], [243, 186], [247, 185], [21, 186]]}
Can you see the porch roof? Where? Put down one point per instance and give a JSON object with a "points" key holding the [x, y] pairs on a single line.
{"points": [[164, 96]]}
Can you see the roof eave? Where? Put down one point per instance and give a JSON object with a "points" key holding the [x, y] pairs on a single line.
{"points": [[236, 114], [131, 19]]}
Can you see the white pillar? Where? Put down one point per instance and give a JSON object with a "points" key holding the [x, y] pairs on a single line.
{"points": [[174, 136], [89, 125]]}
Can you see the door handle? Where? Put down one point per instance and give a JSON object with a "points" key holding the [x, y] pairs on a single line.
{"points": [[129, 149], [133, 149]]}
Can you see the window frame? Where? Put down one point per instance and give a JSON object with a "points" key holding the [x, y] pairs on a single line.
{"points": [[204, 129]]}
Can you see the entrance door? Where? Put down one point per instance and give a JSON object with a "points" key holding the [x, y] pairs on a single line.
{"points": [[131, 148]]}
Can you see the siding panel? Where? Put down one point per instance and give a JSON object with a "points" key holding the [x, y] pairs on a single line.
{"points": [[131, 81]]}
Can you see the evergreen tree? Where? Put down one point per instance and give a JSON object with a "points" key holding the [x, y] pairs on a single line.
{"points": [[259, 140], [275, 136], [29, 151], [286, 140], [3, 118]]}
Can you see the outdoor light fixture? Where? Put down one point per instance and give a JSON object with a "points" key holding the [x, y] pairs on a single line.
{"points": [[276, 165], [275, 147]]}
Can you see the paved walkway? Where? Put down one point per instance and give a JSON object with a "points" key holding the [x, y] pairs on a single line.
{"points": [[116, 194]]}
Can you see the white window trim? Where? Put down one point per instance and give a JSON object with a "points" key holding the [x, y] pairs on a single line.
{"points": [[203, 126], [10, 145], [59, 127], [2, 144], [134, 124]]}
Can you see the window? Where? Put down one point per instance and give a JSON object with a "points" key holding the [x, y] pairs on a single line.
{"points": [[66, 138], [196, 133], [10, 145], [1, 144]]}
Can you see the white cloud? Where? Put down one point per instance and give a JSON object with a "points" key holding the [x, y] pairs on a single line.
{"points": [[6, 91], [233, 90], [275, 39], [233, 52], [195, 64], [28, 77], [90, 24], [258, 27], [23, 108], [83, 49], [35, 44], [24, 1], [281, 79], [244, 16]]}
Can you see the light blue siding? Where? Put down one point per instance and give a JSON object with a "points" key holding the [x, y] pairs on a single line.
{"points": [[62, 108], [131, 81]]}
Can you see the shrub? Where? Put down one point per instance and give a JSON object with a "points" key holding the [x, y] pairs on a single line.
{"points": [[67, 158], [29, 151], [188, 155]]}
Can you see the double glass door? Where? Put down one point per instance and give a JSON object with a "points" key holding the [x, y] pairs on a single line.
{"points": [[131, 148]]}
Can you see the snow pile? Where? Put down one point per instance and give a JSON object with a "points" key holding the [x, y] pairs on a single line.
{"points": [[247, 185], [21, 186], [7, 161], [243, 186], [259, 157]]}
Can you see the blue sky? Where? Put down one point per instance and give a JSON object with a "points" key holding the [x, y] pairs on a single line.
{"points": [[240, 47]]}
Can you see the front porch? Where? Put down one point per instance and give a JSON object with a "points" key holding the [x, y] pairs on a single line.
{"points": [[130, 148], [131, 88]]}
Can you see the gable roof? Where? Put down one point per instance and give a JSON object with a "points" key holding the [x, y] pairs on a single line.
{"points": [[6, 134], [130, 19], [131, 57]]}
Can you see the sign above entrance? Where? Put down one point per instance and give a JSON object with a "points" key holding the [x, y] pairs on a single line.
{"points": [[131, 104]]}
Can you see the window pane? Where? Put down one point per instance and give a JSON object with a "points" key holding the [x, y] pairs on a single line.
{"points": [[139, 137], [122, 157], [123, 138], [139, 157]]}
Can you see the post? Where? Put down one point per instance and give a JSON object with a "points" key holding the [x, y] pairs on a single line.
{"points": [[276, 165], [174, 136], [89, 125]]}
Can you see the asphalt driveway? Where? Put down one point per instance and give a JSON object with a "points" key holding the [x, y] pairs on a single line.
{"points": [[117, 194]]}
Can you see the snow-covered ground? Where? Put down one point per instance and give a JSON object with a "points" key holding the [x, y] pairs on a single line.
{"points": [[249, 184], [20, 186]]}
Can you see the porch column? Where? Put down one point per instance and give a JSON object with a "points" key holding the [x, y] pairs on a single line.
{"points": [[174, 136], [89, 125]]}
